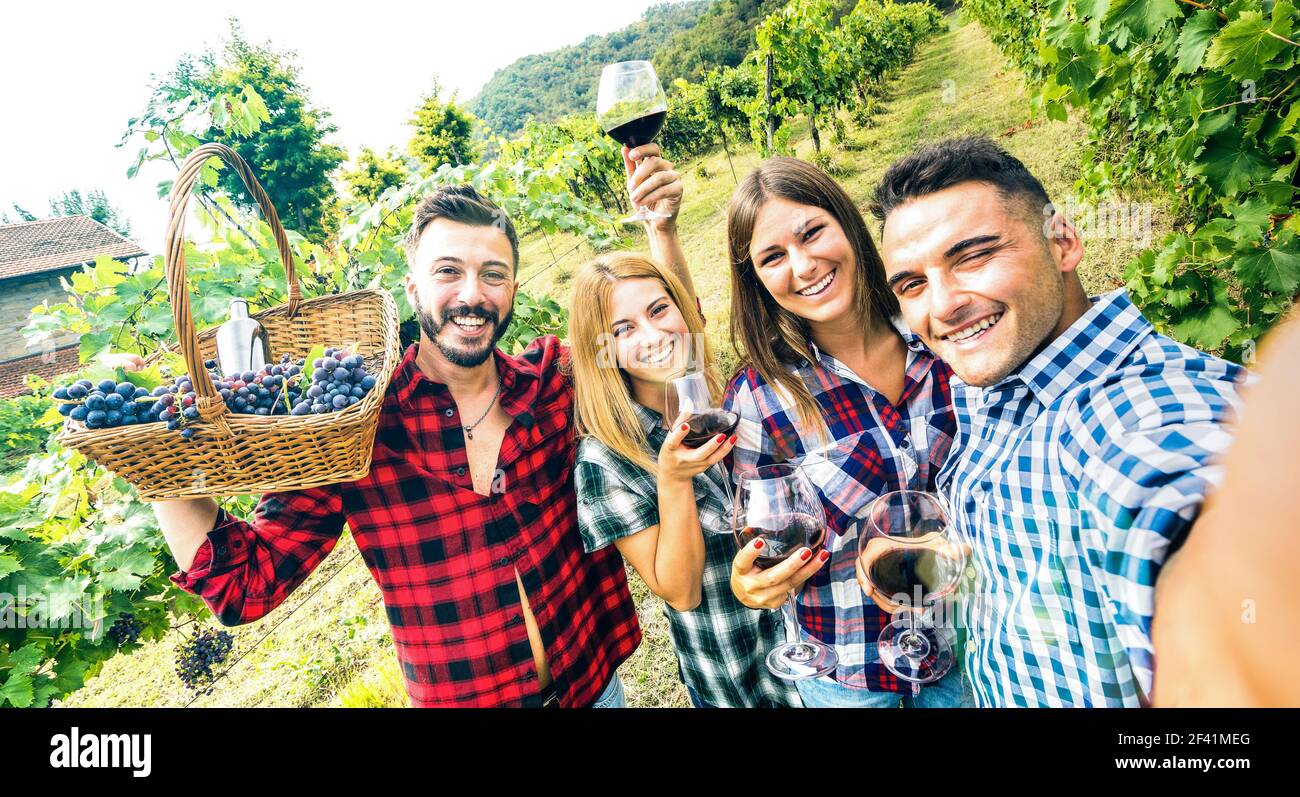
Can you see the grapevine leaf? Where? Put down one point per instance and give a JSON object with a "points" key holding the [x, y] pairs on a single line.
{"points": [[1243, 47], [1208, 328], [312, 356], [26, 659], [1194, 40], [1231, 164], [17, 689], [70, 675], [9, 564], [1142, 18], [1252, 219], [1275, 269]]}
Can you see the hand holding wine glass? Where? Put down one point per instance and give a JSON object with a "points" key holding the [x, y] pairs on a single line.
{"points": [[653, 183], [760, 584], [681, 462], [781, 527]]}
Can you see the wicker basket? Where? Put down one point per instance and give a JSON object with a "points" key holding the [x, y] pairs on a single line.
{"points": [[237, 454]]}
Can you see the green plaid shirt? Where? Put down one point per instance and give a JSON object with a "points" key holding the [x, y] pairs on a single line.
{"points": [[721, 645]]}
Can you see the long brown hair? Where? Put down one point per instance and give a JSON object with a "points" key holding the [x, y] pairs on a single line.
{"points": [[602, 394], [768, 336]]}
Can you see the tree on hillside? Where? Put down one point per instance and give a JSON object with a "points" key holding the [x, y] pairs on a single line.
{"points": [[722, 37], [807, 68], [95, 205], [375, 173], [443, 132], [255, 103]]}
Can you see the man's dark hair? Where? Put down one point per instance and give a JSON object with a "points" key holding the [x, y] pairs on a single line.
{"points": [[463, 205], [946, 163]]}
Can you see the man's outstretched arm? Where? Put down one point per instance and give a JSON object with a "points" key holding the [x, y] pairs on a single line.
{"points": [[244, 569], [1227, 622]]}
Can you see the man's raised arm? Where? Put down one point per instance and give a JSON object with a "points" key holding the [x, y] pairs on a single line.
{"points": [[1227, 623]]}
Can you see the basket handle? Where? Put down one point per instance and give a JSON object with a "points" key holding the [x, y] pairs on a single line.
{"points": [[209, 403]]}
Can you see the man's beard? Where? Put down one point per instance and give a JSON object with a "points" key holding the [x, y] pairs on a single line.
{"points": [[458, 356]]}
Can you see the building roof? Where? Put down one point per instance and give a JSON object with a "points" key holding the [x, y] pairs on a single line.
{"points": [[35, 247]]}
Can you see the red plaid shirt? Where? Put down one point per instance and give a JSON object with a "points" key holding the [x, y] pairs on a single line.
{"points": [[445, 556]]}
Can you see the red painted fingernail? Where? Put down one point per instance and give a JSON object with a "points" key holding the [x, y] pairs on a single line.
{"points": [[758, 545], [823, 556], [720, 438], [733, 439], [685, 427], [806, 555]]}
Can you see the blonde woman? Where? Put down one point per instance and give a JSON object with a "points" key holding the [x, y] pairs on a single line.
{"points": [[666, 507]]}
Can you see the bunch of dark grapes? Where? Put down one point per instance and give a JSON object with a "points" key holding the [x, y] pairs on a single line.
{"points": [[108, 404], [198, 656], [125, 630], [339, 380]]}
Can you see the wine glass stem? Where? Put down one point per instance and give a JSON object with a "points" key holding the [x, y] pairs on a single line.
{"points": [[792, 630]]}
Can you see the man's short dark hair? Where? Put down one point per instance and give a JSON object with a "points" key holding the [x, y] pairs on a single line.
{"points": [[946, 163], [463, 205]]}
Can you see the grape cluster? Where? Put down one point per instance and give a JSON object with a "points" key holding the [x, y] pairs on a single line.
{"points": [[107, 404], [125, 630], [198, 656], [338, 381]]}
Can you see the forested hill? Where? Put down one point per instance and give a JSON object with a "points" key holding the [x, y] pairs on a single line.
{"points": [[679, 37]]}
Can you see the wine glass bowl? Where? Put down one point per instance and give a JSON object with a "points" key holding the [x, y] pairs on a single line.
{"points": [[911, 558], [778, 504], [690, 392], [631, 107]]}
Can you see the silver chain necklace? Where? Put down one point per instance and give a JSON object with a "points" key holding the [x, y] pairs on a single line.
{"points": [[469, 430]]}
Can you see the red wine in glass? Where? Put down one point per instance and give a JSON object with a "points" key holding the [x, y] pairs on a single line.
{"points": [[704, 426], [918, 573], [639, 131], [782, 535]]}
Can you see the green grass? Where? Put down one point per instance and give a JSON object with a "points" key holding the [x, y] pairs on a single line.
{"points": [[337, 651]]}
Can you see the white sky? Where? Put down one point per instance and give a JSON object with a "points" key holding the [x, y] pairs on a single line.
{"points": [[73, 72]]}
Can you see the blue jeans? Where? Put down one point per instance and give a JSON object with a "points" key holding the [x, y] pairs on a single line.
{"points": [[613, 696], [951, 691]]}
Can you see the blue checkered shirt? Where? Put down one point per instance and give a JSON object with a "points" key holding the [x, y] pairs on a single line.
{"points": [[1073, 480]]}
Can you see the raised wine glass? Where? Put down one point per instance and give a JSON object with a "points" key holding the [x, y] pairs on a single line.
{"points": [[631, 107], [778, 504], [687, 390], [912, 558]]}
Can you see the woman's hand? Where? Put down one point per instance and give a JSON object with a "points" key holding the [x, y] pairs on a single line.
{"points": [[767, 589], [678, 463], [652, 183]]}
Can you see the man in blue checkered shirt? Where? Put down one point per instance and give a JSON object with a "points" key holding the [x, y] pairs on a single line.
{"points": [[1086, 441]]}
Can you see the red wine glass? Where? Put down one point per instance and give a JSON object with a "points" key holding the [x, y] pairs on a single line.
{"points": [[631, 107], [779, 504], [912, 559]]}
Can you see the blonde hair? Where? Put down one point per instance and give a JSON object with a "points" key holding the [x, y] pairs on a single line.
{"points": [[603, 403]]}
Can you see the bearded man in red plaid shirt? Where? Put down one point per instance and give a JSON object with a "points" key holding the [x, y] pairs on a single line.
{"points": [[467, 519]]}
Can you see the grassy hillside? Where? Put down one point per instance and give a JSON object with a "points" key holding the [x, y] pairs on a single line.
{"points": [[337, 649]]}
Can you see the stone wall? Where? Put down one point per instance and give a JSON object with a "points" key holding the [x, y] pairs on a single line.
{"points": [[17, 298]]}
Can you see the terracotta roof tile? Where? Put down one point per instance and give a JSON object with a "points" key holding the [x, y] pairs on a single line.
{"points": [[34, 247]]}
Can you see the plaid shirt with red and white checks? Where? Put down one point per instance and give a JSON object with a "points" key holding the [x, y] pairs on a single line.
{"points": [[874, 447], [445, 556]]}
